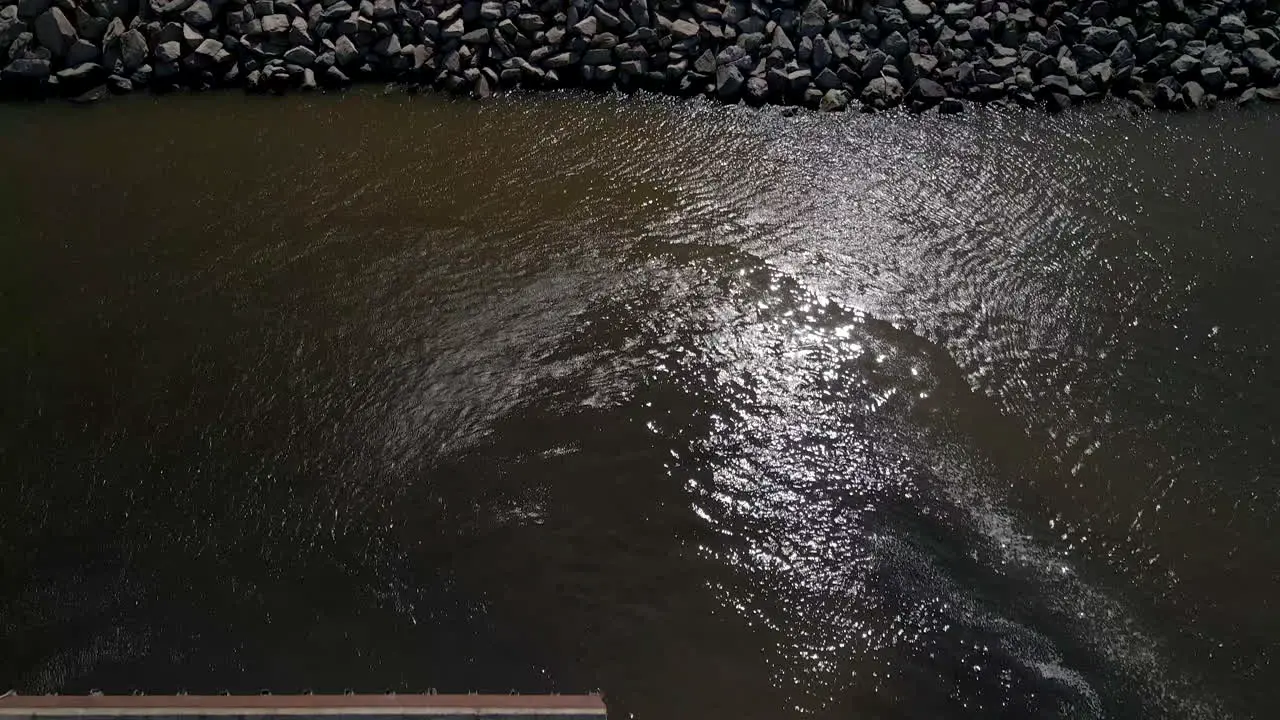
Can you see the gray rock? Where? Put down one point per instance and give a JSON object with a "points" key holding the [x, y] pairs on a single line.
{"points": [[684, 29], [706, 63], [588, 27], [31, 9], [1261, 62], [928, 91], [1184, 65], [1058, 102], [834, 101], [1213, 78], [814, 18], [1193, 94], [821, 54], [346, 51], [895, 45], [782, 43], [198, 15], [528, 23], [827, 80], [55, 32], [1103, 38], [491, 11], [882, 92], [337, 11], [170, 51], [82, 51], [950, 106], [277, 24], [388, 46], [209, 52], [958, 11], [385, 9], [28, 69], [915, 11], [729, 81], [303, 56], [133, 50]]}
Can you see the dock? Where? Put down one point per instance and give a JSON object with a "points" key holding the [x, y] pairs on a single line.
{"points": [[295, 707]]}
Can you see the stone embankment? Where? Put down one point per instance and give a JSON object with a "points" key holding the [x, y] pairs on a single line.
{"points": [[874, 55]]}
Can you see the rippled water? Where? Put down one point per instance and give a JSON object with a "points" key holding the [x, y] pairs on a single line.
{"points": [[728, 414]]}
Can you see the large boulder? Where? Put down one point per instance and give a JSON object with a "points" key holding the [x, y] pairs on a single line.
{"points": [[55, 32]]}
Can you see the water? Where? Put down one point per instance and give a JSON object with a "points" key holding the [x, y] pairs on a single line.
{"points": [[728, 414]]}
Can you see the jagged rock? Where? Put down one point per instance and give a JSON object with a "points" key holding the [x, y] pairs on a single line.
{"points": [[170, 51], [198, 14], [346, 51], [303, 56], [55, 32]]}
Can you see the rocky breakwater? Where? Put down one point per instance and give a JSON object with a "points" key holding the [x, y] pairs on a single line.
{"points": [[874, 55]]}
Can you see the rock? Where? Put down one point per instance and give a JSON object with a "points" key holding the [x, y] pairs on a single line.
{"points": [[1184, 65], [386, 9], [168, 51], [28, 69], [1261, 62], [951, 106], [1193, 94], [728, 81], [916, 11], [388, 46], [119, 84], [958, 11], [198, 15], [783, 44], [882, 92], [92, 95], [827, 80], [895, 45], [820, 56], [814, 18], [1269, 94], [55, 32], [133, 50], [491, 11], [303, 56], [1058, 102], [833, 101], [82, 51], [1103, 38], [706, 63], [31, 9], [684, 29], [587, 28], [336, 77], [928, 92], [277, 24], [1141, 98], [1213, 78], [346, 51]]}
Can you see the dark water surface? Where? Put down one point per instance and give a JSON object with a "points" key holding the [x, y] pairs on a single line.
{"points": [[727, 414]]}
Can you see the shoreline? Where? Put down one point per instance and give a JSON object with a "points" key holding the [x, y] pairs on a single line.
{"points": [[876, 56]]}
